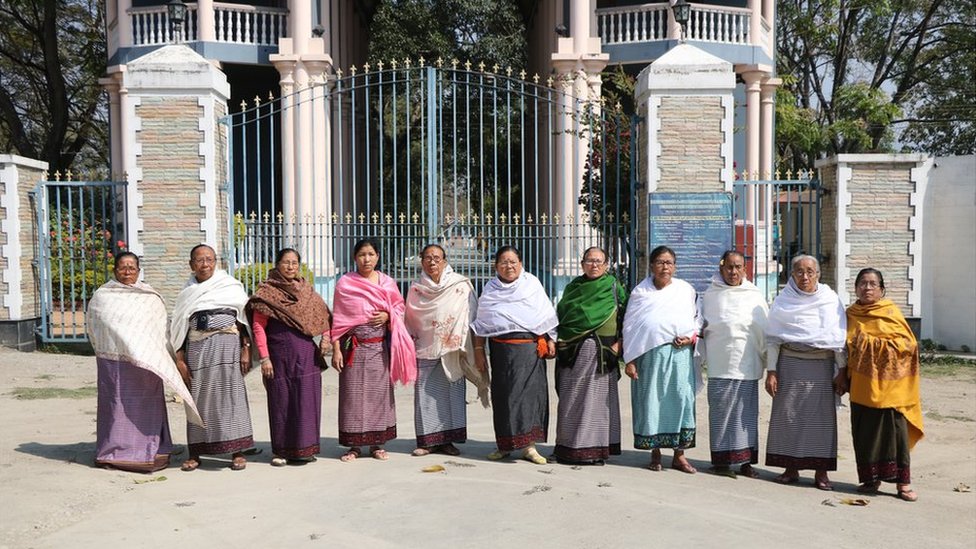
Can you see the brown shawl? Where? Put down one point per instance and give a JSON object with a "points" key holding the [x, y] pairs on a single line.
{"points": [[294, 303]]}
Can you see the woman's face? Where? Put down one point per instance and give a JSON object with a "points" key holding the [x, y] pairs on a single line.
{"points": [[594, 264], [366, 260], [868, 289], [509, 267], [203, 263], [288, 266], [127, 270], [806, 276], [663, 268], [433, 263], [732, 269]]}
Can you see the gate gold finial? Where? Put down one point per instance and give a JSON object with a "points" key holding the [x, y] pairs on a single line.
{"points": [[362, 217], [610, 217], [625, 218], [488, 219], [421, 61], [481, 66], [281, 217], [502, 219], [352, 70], [243, 105], [254, 216], [402, 218], [348, 217], [67, 175], [257, 101], [596, 217], [447, 218], [375, 217], [266, 217], [543, 219], [388, 218], [474, 219], [460, 219], [515, 219], [238, 217], [508, 71], [789, 173], [467, 65], [549, 81], [415, 217], [406, 63], [522, 74], [393, 64], [379, 65], [439, 63], [535, 78], [365, 67], [270, 95], [335, 217], [528, 219], [555, 219], [454, 63], [321, 218], [778, 175], [495, 68], [57, 175]]}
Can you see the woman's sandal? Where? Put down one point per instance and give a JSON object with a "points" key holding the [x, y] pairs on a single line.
{"points": [[448, 449], [497, 455], [748, 471], [655, 465], [823, 484], [278, 461], [869, 487], [907, 494], [533, 455], [683, 466], [238, 463], [190, 464], [786, 479], [418, 452], [379, 453], [351, 455]]}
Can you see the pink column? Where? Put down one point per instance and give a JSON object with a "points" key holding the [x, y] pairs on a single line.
{"points": [[755, 20], [300, 24], [753, 87], [205, 21], [124, 24]]}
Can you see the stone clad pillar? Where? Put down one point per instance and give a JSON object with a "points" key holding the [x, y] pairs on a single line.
{"points": [[174, 156], [872, 217], [19, 299]]}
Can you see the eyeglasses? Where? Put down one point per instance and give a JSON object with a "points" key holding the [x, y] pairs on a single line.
{"points": [[432, 259], [806, 274], [508, 263], [664, 263], [205, 261], [868, 284], [289, 263], [127, 268], [594, 261]]}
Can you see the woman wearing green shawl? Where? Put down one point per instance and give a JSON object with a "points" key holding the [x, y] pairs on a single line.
{"points": [[588, 364]]}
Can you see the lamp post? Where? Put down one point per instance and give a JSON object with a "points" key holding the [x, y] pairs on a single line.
{"points": [[682, 12], [176, 10]]}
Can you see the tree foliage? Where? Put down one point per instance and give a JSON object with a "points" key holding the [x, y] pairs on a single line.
{"points": [[52, 53], [856, 72]]}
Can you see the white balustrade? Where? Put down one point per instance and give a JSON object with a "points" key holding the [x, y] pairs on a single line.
{"points": [[649, 22], [234, 23]]}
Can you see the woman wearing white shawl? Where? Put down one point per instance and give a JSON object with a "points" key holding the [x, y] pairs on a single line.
{"points": [[519, 321], [440, 307], [805, 338], [734, 346], [126, 324], [210, 336], [660, 330]]}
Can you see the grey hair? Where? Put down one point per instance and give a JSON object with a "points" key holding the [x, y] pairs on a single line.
{"points": [[799, 258]]}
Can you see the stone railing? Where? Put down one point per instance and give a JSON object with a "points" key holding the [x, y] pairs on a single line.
{"points": [[649, 22], [233, 23]]}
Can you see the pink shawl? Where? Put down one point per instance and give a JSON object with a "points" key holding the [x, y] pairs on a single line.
{"points": [[355, 301]]}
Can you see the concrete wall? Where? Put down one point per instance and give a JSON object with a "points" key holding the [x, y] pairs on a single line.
{"points": [[949, 257]]}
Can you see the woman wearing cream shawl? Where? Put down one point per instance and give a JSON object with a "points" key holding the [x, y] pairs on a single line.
{"points": [[517, 318], [660, 331], [367, 311], [734, 346], [886, 411], [440, 307], [804, 347], [126, 324]]}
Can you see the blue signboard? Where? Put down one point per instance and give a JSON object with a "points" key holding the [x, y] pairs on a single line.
{"points": [[697, 226]]}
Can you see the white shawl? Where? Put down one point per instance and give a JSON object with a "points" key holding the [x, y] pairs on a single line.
{"points": [[220, 291], [518, 306], [128, 324], [437, 317], [817, 319], [734, 342], [655, 317]]}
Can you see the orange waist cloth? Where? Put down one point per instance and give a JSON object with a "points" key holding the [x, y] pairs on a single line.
{"points": [[541, 347]]}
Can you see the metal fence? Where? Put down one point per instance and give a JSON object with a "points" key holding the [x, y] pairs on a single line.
{"points": [[80, 226]]}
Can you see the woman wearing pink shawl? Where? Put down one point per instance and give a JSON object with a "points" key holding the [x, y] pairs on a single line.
{"points": [[367, 312]]}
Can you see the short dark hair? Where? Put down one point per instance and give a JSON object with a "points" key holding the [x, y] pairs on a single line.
{"points": [[661, 250], [606, 257], [867, 271], [123, 255], [363, 243], [281, 254], [194, 249], [505, 249], [730, 253], [433, 245]]}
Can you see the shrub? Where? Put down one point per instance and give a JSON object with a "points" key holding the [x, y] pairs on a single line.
{"points": [[80, 258]]}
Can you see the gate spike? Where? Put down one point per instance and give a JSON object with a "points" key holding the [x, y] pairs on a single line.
{"points": [[515, 219], [495, 68], [270, 95], [379, 65], [778, 175], [257, 101], [508, 71], [789, 174], [393, 64], [474, 219], [57, 175], [543, 219], [488, 219], [528, 219], [68, 175], [555, 219], [348, 217], [467, 65], [281, 217], [406, 63], [362, 217], [447, 218], [339, 73], [421, 61], [596, 217], [626, 217], [239, 217], [461, 219], [481, 66], [335, 217], [402, 217], [243, 105], [610, 217], [375, 217], [549, 81], [253, 216], [454, 63], [266, 217], [388, 218], [502, 219], [352, 70], [522, 74], [415, 217], [439, 63], [365, 67], [535, 78]]}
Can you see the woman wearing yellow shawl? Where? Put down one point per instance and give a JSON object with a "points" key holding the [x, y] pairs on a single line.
{"points": [[886, 412]]}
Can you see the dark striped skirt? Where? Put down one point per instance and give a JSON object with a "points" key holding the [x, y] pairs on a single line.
{"points": [[519, 393], [803, 420], [588, 418], [218, 389], [733, 421], [881, 445], [367, 413], [133, 427], [294, 393], [439, 407]]}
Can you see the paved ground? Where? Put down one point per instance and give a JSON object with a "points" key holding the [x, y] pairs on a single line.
{"points": [[52, 497]]}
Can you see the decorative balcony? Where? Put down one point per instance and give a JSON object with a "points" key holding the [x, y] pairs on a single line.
{"points": [[232, 24], [628, 31]]}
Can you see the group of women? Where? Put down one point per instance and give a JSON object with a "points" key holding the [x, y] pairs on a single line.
{"points": [[442, 334]]}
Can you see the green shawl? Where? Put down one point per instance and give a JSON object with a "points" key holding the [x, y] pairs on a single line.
{"points": [[586, 305]]}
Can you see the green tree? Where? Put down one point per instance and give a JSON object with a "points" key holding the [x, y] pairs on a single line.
{"points": [[855, 68], [52, 53]]}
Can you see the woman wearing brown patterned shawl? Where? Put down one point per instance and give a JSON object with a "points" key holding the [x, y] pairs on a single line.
{"points": [[286, 314]]}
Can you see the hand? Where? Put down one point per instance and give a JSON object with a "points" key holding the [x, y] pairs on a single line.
{"points": [[480, 362], [841, 383], [184, 371], [337, 361], [631, 370], [245, 359], [616, 347], [772, 383], [681, 341], [379, 318], [267, 368], [550, 349]]}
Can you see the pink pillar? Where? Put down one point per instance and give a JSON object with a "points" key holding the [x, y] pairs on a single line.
{"points": [[205, 21], [755, 20], [124, 24], [753, 88]]}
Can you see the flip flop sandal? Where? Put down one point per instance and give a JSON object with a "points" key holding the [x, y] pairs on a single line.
{"points": [[190, 465], [786, 479], [497, 455], [683, 467], [655, 466], [532, 455], [420, 452], [907, 495], [379, 453], [748, 472], [824, 485], [278, 462], [351, 455], [238, 463]]}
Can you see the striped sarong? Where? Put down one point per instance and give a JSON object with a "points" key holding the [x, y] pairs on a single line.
{"points": [[663, 399], [588, 417], [367, 413], [133, 427], [803, 420], [519, 392], [295, 392], [439, 407], [217, 386], [733, 421]]}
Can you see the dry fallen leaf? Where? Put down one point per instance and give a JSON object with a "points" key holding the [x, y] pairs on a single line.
{"points": [[962, 488], [827, 502], [154, 479], [433, 469], [857, 502]]}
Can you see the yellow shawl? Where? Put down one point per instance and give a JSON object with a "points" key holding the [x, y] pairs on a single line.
{"points": [[883, 362]]}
